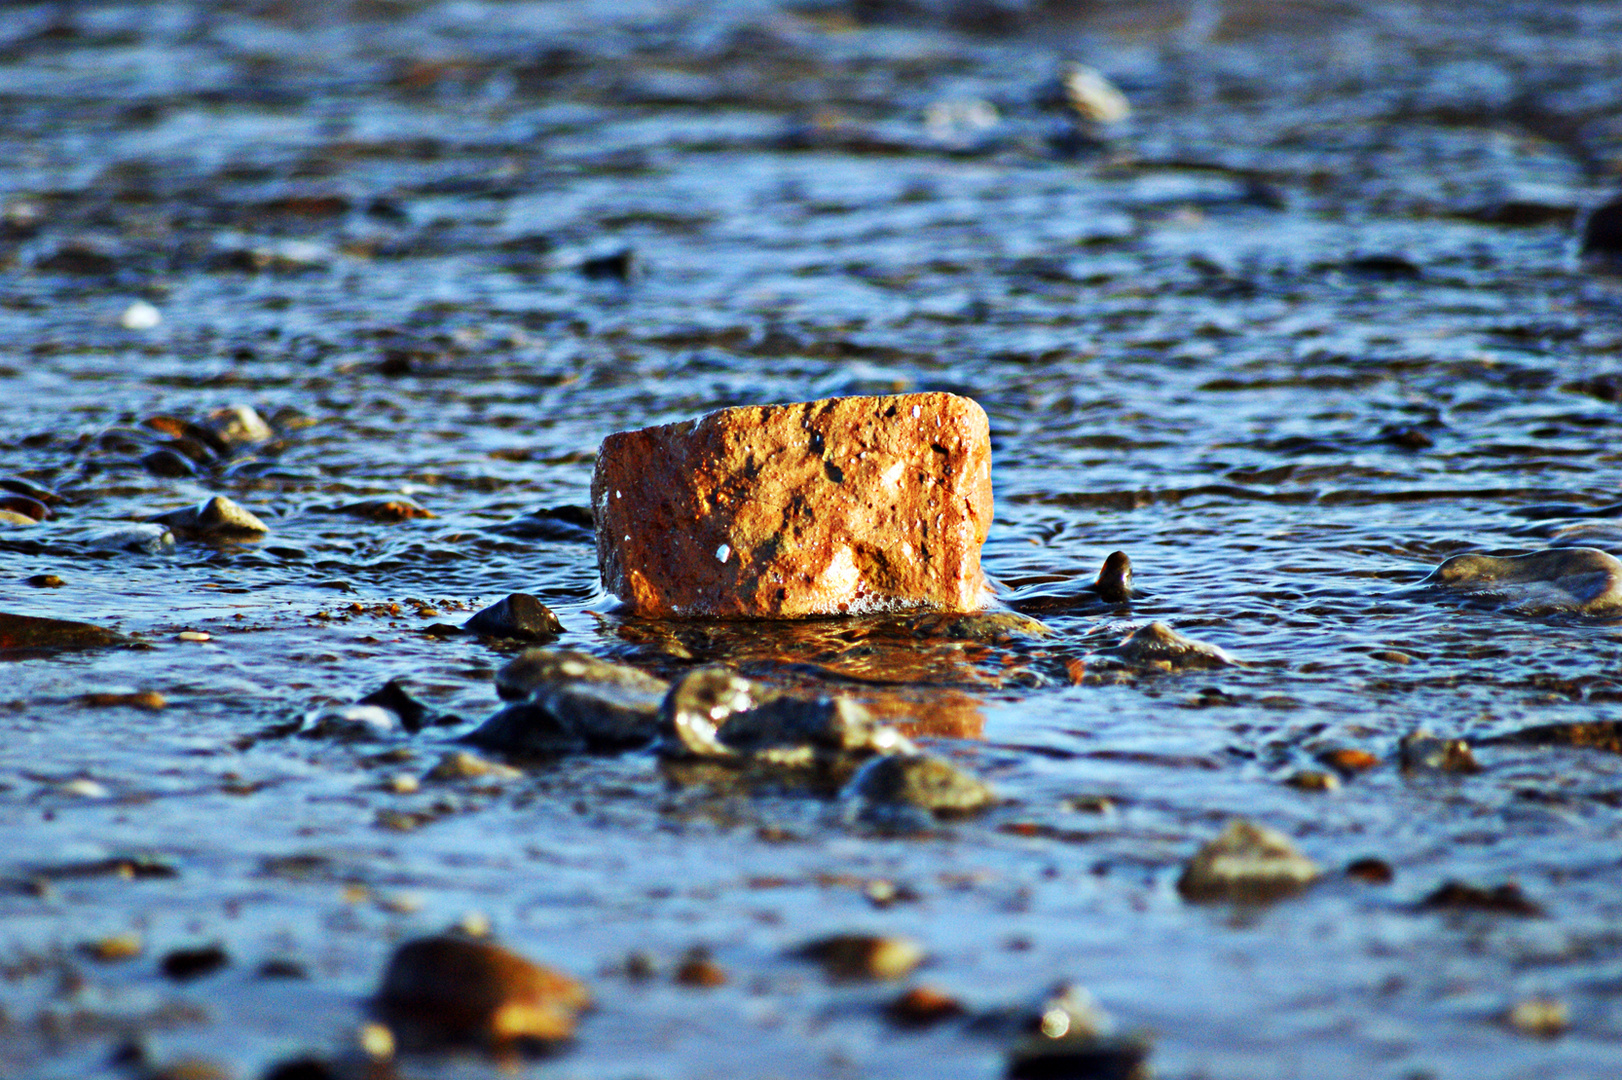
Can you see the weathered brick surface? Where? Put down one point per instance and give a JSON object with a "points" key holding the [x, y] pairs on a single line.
{"points": [[840, 506]]}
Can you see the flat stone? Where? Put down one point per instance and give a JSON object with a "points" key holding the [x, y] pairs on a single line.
{"points": [[1247, 863], [449, 990], [1583, 580], [840, 506]]}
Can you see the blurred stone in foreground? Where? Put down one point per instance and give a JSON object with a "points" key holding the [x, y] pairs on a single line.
{"points": [[450, 990], [840, 506]]}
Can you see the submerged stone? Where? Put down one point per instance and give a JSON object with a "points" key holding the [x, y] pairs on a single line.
{"points": [[567, 702], [214, 518], [1159, 647], [840, 506], [519, 616], [448, 990], [1247, 863], [1586, 581]]}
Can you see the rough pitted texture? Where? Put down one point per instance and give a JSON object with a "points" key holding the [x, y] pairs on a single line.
{"points": [[781, 511]]}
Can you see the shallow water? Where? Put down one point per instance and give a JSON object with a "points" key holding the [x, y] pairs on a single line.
{"points": [[1309, 322]]}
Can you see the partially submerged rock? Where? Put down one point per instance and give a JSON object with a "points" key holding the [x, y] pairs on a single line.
{"points": [[1505, 899], [32, 633], [920, 782], [1420, 751], [1112, 586], [519, 617], [1586, 581], [1248, 863], [1593, 734], [450, 990], [567, 702], [145, 539], [841, 506], [714, 713], [350, 723], [217, 518], [1159, 647]]}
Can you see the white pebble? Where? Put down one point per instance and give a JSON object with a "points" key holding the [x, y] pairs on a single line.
{"points": [[140, 316], [724, 552], [193, 635]]}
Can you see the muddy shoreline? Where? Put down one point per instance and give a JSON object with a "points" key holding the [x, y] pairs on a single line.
{"points": [[1306, 323]]}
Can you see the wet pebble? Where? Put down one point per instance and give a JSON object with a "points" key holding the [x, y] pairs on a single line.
{"points": [[349, 723], [1348, 761], [518, 617], [150, 700], [1313, 780], [715, 713], [236, 426], [1542, 1017], [1420, 751], [44, 581], [392, 508], [183, 965], [864, 957], [1586, 581], [18, 486], [1593, 734], [566, 701], [396, 699], [923, 1006], [698, 969], [146, 539], [1505, 899], [1159, 647], [921, 782], [1373, 871], [24, 506], [461, 765], [140, 315], [1246, 863], [214, 518], [453, 990]]}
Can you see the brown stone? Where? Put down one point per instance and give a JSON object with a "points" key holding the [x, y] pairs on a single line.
{"points": [[448, 989], [841, 506]]}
